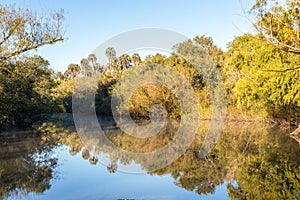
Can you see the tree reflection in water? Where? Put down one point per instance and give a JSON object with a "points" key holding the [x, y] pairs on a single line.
{"points": [[26, 164], [255, 162], [263, 161]]}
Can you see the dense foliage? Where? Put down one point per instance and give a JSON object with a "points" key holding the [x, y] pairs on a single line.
{"points": [[25, 81], [251, 76], [261, 72], [26, 87]]}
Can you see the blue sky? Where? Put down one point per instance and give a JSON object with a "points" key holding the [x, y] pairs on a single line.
{"points": [[91, 22]]}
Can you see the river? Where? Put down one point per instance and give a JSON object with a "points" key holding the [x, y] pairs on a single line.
{"points": [[249, 161]]}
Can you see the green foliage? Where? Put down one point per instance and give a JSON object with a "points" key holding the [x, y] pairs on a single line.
{"points": [[216, 54], [144, 97], [25, 83], [62, 95], [257, 74], [104, 92], [250, 77], [25, 86]]}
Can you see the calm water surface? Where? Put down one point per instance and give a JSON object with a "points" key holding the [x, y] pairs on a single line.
{"points": [[248, 162]]}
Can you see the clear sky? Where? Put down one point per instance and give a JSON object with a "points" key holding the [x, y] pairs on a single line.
{"points": [[88, 23]]}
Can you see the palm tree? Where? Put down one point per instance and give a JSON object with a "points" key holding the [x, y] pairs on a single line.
{"points": [[125, 61], [73, 150], [112, 167], [59, 76], [136, 59], [67, 74], [85, 154], [74, 69], [92, 58], [98, 68], [85, 67], [93, 61], [93, 160], [111, 54]]}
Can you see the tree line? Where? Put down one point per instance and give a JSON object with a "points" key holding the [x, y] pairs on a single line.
{"points": [[260, 71]]}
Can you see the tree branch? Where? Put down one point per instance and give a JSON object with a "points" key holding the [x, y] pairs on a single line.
{"points": [[9, 34], [283, 70], [271, 39], [24, 31], [28, 48]]}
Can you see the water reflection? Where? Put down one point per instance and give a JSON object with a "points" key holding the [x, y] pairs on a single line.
{"points": [[26, 164], [252, 161]]}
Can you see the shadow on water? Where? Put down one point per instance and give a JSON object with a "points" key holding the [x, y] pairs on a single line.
{"points": [[251, 161]]}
